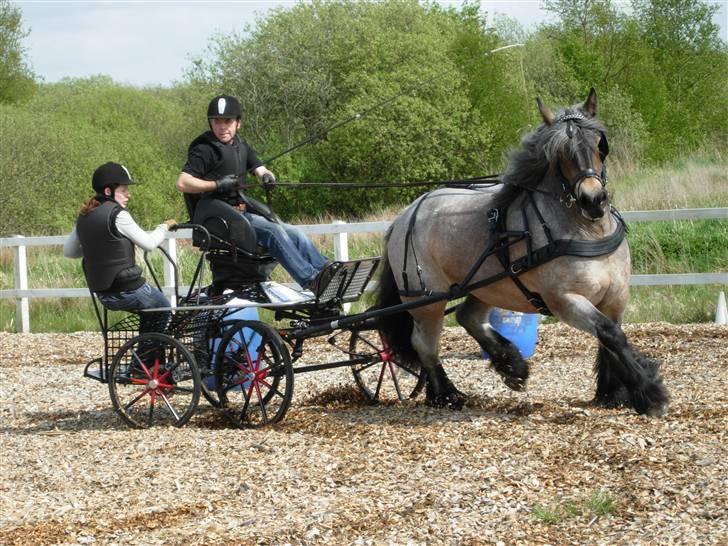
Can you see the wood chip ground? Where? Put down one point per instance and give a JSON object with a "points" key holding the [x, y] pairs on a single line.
{"points": [[540, 467]]}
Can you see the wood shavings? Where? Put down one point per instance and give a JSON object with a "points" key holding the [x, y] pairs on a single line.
{"points": [[338, 470]]}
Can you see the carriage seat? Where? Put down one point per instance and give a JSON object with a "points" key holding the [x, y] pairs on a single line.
{"points": [[235, 258]]}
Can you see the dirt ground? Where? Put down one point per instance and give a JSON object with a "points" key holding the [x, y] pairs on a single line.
{"points": [[539, 467]]}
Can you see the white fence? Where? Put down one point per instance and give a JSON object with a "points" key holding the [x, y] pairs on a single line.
{"points": [[340, 231]]}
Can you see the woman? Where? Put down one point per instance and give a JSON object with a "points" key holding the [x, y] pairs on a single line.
{"points": [[105, 235]]}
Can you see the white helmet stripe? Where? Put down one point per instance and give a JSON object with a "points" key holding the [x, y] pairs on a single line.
{"points": [[126, 171], [221, 106]]}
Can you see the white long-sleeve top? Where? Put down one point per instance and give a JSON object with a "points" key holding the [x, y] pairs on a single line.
{"points": [[127, 227]]}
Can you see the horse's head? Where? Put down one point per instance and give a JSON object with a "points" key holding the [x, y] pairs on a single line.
{"points": [[576, 148]]}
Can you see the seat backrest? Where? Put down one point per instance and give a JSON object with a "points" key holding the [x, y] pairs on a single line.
{"points": [[235, 258], [225, 222], [191, 200]]}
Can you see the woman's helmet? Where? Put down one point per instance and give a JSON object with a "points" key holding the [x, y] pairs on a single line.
{"points": [[224, 106], [110, 174]]}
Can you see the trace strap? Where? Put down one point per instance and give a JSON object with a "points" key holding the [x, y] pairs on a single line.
{"points": [[500, 241]]}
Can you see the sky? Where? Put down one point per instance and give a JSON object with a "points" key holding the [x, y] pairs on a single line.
{"points": [[152, 42]]}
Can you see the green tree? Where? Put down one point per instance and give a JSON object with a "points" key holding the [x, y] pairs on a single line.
{"points": [[688, 53], [664, 61], [304, 69], [16, 79]]}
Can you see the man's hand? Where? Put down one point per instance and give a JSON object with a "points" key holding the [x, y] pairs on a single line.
{"points": [[268, 181], [227, 183], [171, 223]]}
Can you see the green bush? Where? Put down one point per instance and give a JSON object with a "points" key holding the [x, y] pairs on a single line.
{"points": [[51, 146]]}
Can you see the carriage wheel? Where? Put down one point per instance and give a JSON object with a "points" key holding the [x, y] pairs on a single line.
{"points": [[254, 374], [154, 381], [383, 377]]}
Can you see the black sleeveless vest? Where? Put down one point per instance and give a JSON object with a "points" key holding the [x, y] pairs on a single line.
{"points": [[229, 159], [108, 257]]}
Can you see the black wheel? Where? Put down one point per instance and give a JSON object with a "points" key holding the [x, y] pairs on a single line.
{"points": [[154, 381], [254, 374], [382, 376]]}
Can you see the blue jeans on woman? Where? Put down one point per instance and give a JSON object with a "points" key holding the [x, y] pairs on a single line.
{"points": [[290, 246], [144, 297]]}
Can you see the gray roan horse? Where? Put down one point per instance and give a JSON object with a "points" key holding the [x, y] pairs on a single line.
{"points": [[546, 240]]}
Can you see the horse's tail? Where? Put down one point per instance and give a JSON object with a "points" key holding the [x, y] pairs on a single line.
{"points": [[396, 327]]}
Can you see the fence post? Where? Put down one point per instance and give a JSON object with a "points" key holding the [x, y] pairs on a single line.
{"points": [[341, 251], [22, 309], [170, 245], [341, 244]]}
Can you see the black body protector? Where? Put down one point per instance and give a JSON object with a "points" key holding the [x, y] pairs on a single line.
{"points": [[108, 257], [230, 159]]}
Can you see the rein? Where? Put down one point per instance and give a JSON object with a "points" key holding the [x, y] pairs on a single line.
{"points": [[488, 179]]}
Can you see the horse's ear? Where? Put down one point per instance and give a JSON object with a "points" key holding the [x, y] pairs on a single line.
{"points": [[590, 104], [546, 113]]}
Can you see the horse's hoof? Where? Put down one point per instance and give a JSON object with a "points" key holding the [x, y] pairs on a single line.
{"points": [[513, 374], [607, 404], [456, 402], [514, 383], [453, 400]]}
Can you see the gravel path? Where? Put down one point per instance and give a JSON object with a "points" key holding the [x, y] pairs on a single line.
{"points": [[540, 467]]}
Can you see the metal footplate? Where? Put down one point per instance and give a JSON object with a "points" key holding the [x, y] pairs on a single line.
{"points": [[348, 281], [96, 370]]}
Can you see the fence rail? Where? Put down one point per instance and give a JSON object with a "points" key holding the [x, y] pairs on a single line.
{"points": [[340, 230]]}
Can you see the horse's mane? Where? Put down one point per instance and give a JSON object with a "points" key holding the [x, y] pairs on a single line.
{"points": [[540, 150]]}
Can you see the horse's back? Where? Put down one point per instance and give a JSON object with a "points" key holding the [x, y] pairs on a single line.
{"points": [[439, 236]]}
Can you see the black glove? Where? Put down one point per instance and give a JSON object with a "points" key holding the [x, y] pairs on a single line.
{"points": [[227, 183], [268, 180]]}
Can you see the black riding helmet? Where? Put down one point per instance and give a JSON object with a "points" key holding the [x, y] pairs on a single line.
{"points": [[224, 106], [110, 174]]}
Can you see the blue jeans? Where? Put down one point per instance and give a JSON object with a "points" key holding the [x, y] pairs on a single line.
{"points": [[144, 297], [290, 246]]}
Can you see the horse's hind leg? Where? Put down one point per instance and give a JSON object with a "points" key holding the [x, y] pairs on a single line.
{"points": [[623, 376], [472, 315], [440, 391]]}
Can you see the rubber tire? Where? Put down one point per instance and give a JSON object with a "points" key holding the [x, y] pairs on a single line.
{"points": [[267, 390], [371, 378], [179, 397]]}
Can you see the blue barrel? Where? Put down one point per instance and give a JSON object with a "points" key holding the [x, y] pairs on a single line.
{"points": [[248, 338], [521, 329]]}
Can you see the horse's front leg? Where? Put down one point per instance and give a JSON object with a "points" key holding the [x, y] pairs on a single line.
{"points": [[472, 315], [617, 364], [440, 391]]}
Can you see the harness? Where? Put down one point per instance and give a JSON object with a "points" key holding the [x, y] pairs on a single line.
{"points": [[572, 190], [500, 241]]}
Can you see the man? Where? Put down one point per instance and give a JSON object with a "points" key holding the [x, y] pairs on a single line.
{"points": [[217, 164], [104, 236]]}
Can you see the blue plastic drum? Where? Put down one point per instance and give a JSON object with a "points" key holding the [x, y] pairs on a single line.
{"points": [[521, 329], [248, 338]]}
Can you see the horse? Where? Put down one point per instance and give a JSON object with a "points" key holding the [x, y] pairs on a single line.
{"points": [[546, 239]]}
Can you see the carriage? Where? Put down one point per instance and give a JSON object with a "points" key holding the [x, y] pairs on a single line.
{"points": [[546, 239], [213, 346]]}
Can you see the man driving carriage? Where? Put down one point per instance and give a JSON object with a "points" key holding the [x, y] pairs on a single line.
{"points": [[105, 235], [217, 165]]}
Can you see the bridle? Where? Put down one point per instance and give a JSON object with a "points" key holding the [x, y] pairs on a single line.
{"points": [[571, 188]]}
